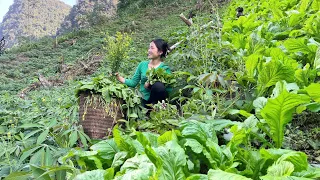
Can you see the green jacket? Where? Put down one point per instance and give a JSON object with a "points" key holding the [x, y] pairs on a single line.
{"points": [[140, 76]]}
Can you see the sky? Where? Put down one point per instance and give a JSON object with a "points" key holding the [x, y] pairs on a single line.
{"points": [[5, 4]]}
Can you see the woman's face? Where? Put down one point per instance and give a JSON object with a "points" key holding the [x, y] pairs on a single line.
{"points": [[153, 52]]}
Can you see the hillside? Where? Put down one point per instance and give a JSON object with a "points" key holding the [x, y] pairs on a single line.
{"points": [[32, 19], [88, 13]]}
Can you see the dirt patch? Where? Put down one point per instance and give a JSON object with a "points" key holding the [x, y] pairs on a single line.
{"points": [[81, 68], [303, 134], [22, 58]]}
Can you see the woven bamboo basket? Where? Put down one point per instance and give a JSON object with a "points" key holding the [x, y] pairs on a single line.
{"points": [[96, 123]]}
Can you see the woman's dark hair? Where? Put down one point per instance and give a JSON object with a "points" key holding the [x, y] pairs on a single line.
{"points": [[162, 46]]}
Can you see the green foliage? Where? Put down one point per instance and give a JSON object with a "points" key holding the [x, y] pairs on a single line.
{"points": [[273, 72], [111, 93], [133, 6], [278, 113], [218, 174], [137, 167], [305, 76], [94, 174], [160, 74], [164, 116], [179, 156], [313, 91], [231, 67]]}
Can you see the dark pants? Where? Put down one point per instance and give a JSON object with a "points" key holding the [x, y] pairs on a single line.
{"points": [[157, 93]]}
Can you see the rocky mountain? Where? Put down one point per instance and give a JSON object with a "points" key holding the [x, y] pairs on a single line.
{"points": [[88, 13], [32, 19]]}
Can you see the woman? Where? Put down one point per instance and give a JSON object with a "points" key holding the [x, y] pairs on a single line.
{"points": [[158, 50]]}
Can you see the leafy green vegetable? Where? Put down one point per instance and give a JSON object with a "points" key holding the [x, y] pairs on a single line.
{"points": [[198, 177], [278, 112], [106, 150], [160, 74], [316, 63], [199, 131], [273, 72], [218, 174], [138, 167], [283, 168], [123, 142], [116, 96], [169, 160], [313, 91], [94, 174]]}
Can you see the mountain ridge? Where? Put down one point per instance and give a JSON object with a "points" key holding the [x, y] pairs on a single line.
{"points": [[32, 19]]}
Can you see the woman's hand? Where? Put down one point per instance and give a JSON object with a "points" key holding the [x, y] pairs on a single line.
{"points": [[120, 78], [147, 85]]}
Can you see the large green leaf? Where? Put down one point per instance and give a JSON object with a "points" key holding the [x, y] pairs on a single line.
{"points": [[311, 172], [173, 160], [19, 176], [199, 131], [274, 154], [283, 168], [304, 6], [239, 41], [194, 145], [278, 113], [255, 164], [299, 45], [219, 124], [123, 142], [96, 161], [60, 175], [295, 19], [142, 139], [316, 5], [198, 177], [252, 63], [137, 168], [43, 157], [305, 76], [218, 174], [154, 157], [166, 137], [316, 63], [43, 136], [109, 174], [106, 149], [267, 177], [298, 159], [258, 104], [95, 174], [73, 137], [38, 172], [152, 138], [28, 153], [147, 138], [273, 72], [314, 91], [214, 154], [119, 159]]}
